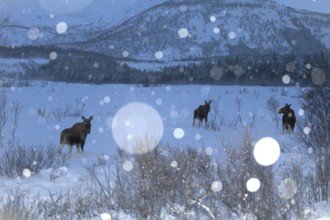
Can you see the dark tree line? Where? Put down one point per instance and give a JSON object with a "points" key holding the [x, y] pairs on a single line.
{"points": [[89, 67], [246, 70]]}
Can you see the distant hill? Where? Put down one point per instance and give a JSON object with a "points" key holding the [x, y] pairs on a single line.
{"points": [[251, 41]]}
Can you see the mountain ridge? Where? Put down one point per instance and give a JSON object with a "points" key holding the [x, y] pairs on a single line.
{"points": [[286, 30], [251, 27]]}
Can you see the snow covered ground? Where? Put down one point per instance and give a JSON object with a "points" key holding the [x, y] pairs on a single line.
{"points": [[123, 112]]}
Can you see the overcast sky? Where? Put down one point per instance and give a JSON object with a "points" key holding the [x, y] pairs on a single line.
{"points": [[92, 7]]}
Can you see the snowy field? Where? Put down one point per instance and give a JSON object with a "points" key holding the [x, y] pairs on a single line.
{"points": [[123, 112]]}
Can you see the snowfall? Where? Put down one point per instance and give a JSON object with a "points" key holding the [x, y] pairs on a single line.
{"points": [[165, 111]]}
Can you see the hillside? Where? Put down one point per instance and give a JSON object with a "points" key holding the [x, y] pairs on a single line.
{"points": [[189, 30]]}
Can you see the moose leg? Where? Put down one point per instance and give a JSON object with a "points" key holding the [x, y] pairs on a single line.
{"points": [[60, 148], [82, 144], [70, 150], [78, 148], [200, 121], [194, 120]]}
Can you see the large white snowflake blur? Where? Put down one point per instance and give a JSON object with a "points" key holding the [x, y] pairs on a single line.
{"points": [[253, 185], [266, 151], [216, 186], [105, 216], [137, 128], [178, 133], [61, 27], [33, 33], [183, 32], [27, 172]]}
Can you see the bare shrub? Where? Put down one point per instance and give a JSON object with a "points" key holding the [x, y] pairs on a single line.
{"points": [[314, 132], [58, 114], [17, 205], [71, 110], [237, 119], [3, 115], [101, 186], [75, 110], [294, 196], [43, 112], [238, 102], [15, 159], [234, 171], [284, 92], [190, 184], [16, 109], [158, 182], [72, 204], [272, 106]]}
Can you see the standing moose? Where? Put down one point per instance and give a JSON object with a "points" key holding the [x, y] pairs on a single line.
{"points": [[288, 119], [76, 135], [201, 113]]}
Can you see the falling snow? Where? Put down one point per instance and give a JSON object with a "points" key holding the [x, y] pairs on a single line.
{"points": [[105, 216], [231, 35], [266, 151], [183, 33], [216, 186], [178, 133], [26, 173], [253, 184], [33, 33], [53, 55], [287, 188], [61, 27], [139, 119], [137, 128]]}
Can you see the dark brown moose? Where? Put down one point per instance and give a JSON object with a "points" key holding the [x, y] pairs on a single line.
{"points": [[76, 135], [201, 113], [288, 119]]}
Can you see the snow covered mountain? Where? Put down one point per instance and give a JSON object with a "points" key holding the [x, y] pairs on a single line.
{"points": [[201, 29], [181, 29]]}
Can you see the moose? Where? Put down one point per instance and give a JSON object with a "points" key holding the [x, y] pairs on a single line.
{"points": [[288, 119], [201, 113], [76, 135]]}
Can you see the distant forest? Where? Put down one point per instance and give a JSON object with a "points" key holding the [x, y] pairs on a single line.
{"points": [[88, 67]]}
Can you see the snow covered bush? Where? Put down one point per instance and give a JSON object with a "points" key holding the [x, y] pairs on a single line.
{"points": [[166, 180], [190, 183], [23, 161], [17, 205]]}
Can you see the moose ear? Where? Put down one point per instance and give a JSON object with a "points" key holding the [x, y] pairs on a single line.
{"points": [[83, 118], [90, 118]]}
